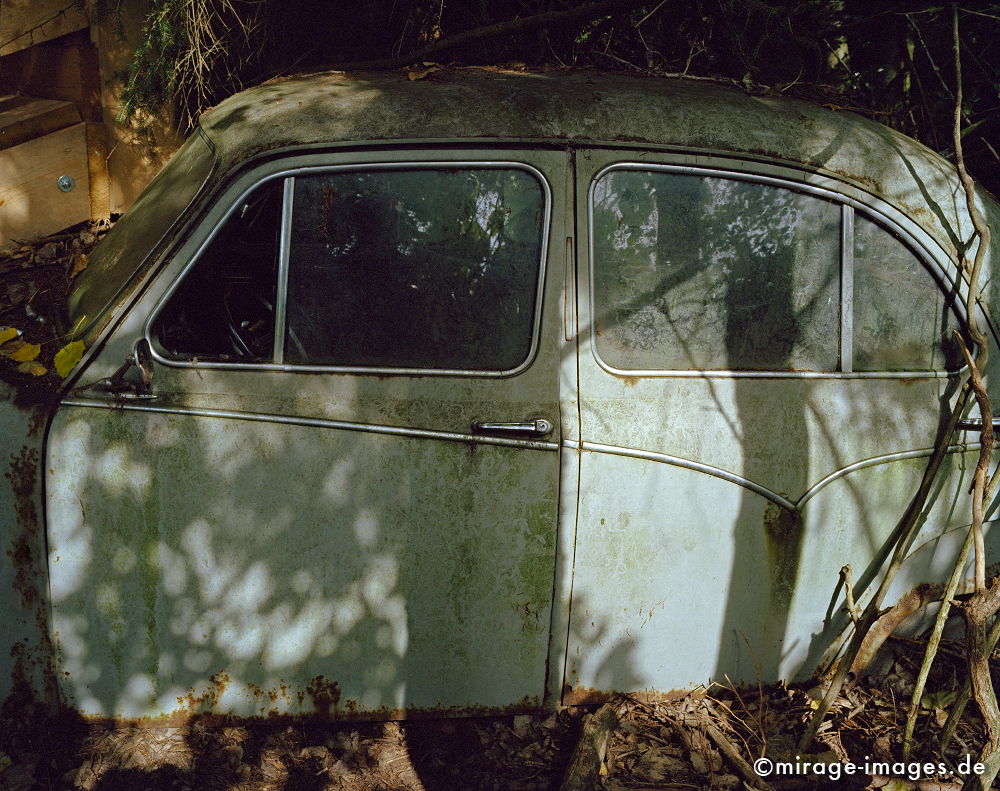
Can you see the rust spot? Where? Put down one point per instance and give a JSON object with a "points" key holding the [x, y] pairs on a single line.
{"points": [[218, 682], [349, 713], [325, 694], [584, 696], [22, 478], [589, 696], [783, 531], [630, 381]]}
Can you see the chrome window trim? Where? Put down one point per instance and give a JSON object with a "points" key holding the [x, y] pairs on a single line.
{"points": [[284, 250], [160, 355], [846, 289], [931, 259]]}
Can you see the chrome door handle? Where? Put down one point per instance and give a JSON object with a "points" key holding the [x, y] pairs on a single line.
{"points": [[538, 427], [975, 424]]}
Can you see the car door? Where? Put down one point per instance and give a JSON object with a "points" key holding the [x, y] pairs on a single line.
{"points": [[766, 358], [342, 492]]}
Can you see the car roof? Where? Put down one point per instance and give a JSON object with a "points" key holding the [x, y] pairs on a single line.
{"points": [[557, 107]]}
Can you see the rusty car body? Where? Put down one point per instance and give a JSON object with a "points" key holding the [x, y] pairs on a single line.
{"points": [[486, 392]]}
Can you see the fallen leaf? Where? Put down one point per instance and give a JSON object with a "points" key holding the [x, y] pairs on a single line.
{"points": [[79, 263], [7, 333], [20, 351], [419, 74], [941, 699], [33, 367], [67, 357]]}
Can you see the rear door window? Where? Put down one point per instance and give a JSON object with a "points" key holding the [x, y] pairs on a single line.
{"points": [[713, 273], [701, 272], [903, 321]]}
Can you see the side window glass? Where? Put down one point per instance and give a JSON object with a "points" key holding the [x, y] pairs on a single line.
{"points": [[224, 307], [903, 321], [431, 268], [703, 273]]}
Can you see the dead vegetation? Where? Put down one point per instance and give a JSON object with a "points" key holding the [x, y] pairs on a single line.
{"points": [[35, 279], [709, 739]]}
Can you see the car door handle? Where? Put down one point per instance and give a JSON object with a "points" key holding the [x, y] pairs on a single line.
{"points": [[975, 424], [538, 427]]}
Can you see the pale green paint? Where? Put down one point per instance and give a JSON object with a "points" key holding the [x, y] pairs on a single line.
{"points": [[327, 538]]}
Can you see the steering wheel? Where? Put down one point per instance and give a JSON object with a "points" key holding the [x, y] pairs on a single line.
{"points": [[250, 325]]}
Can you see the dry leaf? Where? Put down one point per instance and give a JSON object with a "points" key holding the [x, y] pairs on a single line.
{"points": [[67, 357], [32, 367], [7, 333], [20, 351], [419, 74], [79, 263]]}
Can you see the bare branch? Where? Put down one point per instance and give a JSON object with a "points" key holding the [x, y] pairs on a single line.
{"points": [[932, 644]]}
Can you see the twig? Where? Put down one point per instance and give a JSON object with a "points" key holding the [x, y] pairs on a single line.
{"points": [[727, 748], [624, 62], [882, 629], [932, 645], [958, 707], [852, 608], [658, 7], [905, 531], [993, 151], [985, 601], [985, 451]]}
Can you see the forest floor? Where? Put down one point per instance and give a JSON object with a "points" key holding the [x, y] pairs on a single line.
{"points": [[708, 739]]}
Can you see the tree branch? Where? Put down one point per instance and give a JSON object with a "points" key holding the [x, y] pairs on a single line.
{"points": [[545, 19], [986, 601]]}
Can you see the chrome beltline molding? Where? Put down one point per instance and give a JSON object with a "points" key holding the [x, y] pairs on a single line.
{"points": [[451, 436], [763, 491], [960, 447], [677, 461], [292, 420]]}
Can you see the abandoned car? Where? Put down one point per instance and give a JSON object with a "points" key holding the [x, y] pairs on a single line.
{"points": [[486, 392]]}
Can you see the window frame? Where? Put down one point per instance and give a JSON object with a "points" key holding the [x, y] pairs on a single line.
{"points": [[934, 260], [287, 175]]}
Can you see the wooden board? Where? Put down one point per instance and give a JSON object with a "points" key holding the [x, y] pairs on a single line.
{"points": [[97, 166], [64, 68], [23, 118], [31, 203], [27, 22]]}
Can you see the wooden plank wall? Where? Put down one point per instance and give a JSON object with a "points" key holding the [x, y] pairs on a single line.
{"points": [[24, 23], [31, 203]]}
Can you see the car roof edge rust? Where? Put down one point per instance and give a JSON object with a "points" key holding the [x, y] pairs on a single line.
{"points": [[591, 108]]}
